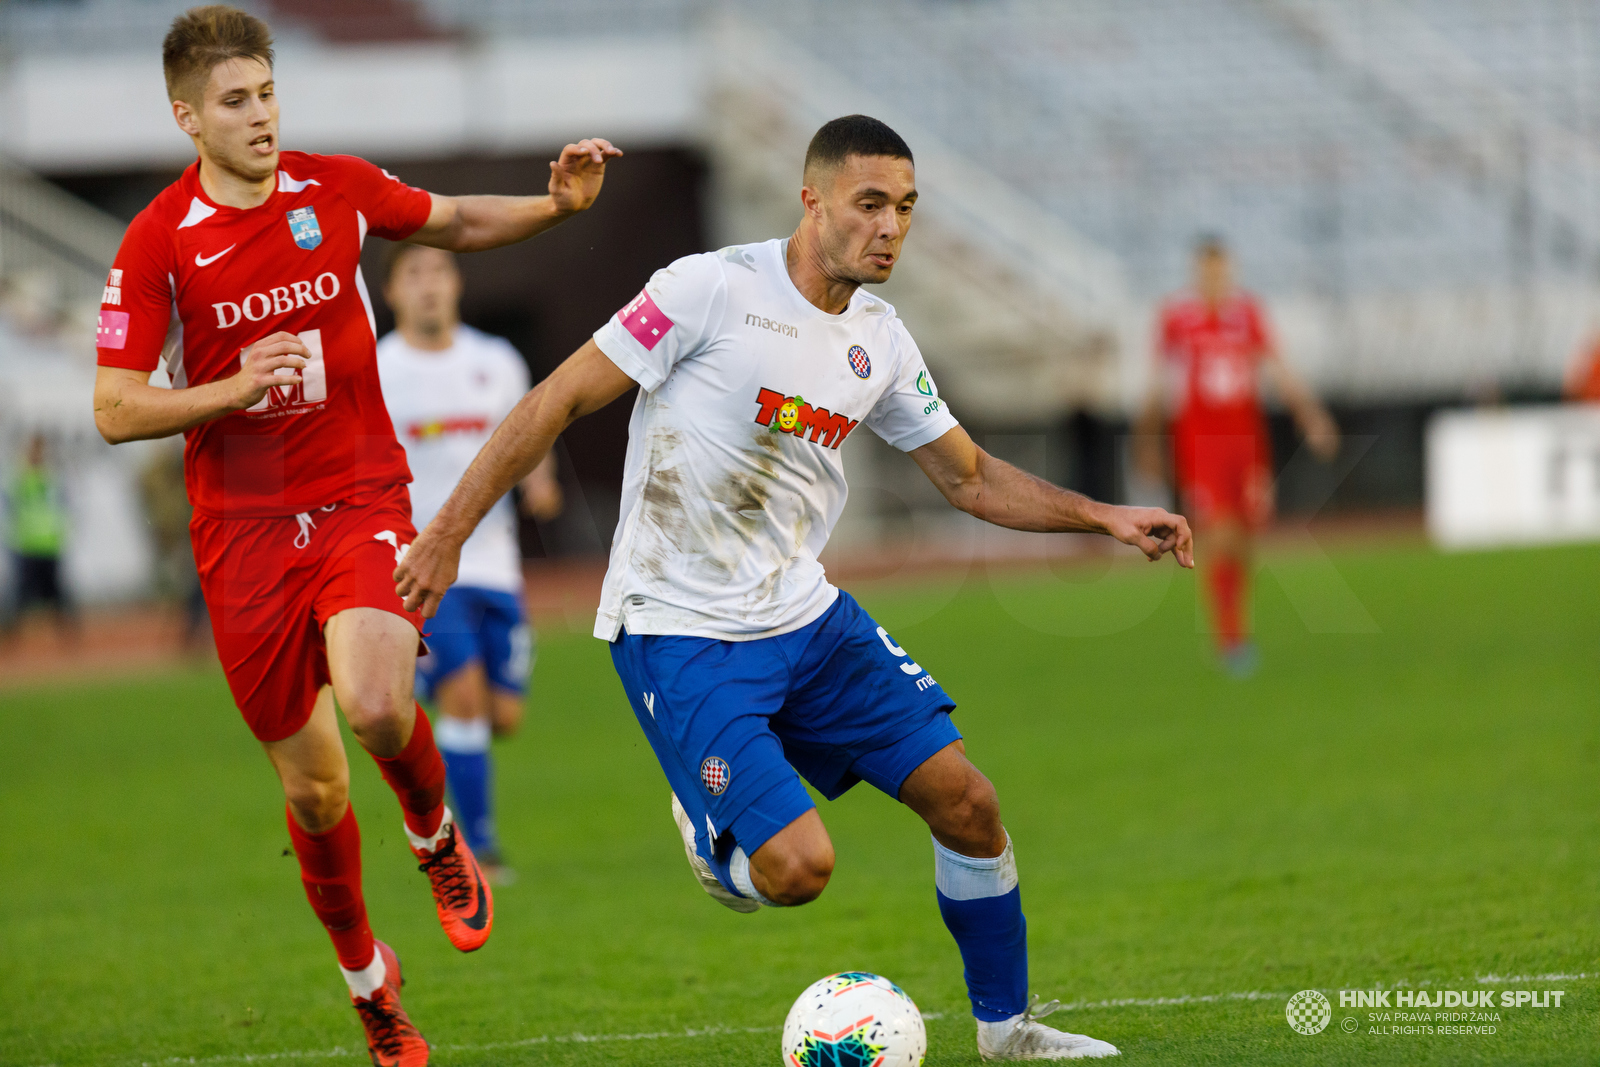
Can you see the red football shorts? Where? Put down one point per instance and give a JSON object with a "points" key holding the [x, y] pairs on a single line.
{"points": [[1225, 477], [272, 585]]}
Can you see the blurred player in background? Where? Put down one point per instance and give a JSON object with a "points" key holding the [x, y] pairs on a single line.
{"points": [[36, 534], [745, 667], [448, 386], [1211, 346], [245, 275], [1582, 385]]}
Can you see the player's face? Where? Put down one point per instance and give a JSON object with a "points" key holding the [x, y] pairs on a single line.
{"points": [[1213, 275], [425, 289], [864, 217], [236, 120]]}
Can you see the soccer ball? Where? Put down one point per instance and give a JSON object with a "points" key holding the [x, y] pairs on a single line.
{"points": [[854, 1019]]}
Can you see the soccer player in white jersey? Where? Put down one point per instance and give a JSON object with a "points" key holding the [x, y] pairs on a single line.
{"points": [[447, 387], [746, 669]]}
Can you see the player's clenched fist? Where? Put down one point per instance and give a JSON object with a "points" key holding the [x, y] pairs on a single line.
{"points": [[1153, 531], [427, 571], [275, 360]]}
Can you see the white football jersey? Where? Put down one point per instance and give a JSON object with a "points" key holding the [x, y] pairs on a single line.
{"points": [[734, 480], [445, 405]]}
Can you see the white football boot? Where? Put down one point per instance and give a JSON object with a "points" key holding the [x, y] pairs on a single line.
{"points": [[1024, 1037], [702, 869]]}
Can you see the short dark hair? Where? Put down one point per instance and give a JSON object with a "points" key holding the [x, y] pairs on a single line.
{"points": [[202, 37], [854, 135], [393, 253], [1210, 244]]}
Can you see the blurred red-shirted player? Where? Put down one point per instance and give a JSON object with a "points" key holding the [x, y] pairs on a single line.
{"points": [[245, 276], [1211, 346], [1583, 377]]}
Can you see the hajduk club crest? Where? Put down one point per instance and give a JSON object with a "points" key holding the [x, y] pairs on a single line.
{"points": [[714, 775], [859, 362]]}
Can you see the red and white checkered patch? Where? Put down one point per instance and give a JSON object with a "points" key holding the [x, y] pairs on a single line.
{"points": [[714, 775], [859, 361]]}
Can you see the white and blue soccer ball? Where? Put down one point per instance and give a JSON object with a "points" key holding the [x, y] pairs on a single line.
{"points": [[854, 1019]]}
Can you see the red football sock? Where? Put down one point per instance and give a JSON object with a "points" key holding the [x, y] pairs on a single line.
{"points": [[330, 869], [417, 777], [1228, 584]]}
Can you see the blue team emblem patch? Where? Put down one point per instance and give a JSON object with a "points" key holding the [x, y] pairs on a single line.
{"points": [[304, 229], [714, 775], [859, 361]]}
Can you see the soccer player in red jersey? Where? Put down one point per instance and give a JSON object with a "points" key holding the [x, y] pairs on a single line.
{"points": [[244, 275], [1211, 347]]}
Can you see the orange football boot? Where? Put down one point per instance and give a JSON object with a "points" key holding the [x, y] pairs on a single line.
{"points": [[391, 1039], [460, 891]]}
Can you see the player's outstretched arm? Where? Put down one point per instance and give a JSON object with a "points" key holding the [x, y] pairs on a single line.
{"points": [[128, 408], [587, 381], [1320, 431], [995, 491], [475, 223]]}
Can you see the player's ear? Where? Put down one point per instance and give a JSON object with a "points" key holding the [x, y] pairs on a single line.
{"points": [[811, 200], [183, 114]]}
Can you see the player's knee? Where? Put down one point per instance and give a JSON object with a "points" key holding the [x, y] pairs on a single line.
{"points": [[377, 718], [505, 717], [317, 804], [973, 818], [798, 877]]}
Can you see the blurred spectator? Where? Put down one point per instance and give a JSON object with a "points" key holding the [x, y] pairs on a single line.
{"points": [[1583, 377], [166, 505], [38, 528]]}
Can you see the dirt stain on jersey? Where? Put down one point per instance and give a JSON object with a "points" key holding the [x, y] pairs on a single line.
{"points": [[663, 504]]}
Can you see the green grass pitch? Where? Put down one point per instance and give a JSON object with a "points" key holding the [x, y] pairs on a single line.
{"points": [[1417, 806]]}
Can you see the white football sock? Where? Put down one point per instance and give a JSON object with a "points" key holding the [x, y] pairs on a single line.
{"points": [[369, 979], [973, 878], [739, 872], [461, 735], [428, 844]]}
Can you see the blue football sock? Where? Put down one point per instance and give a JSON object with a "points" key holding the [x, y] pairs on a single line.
{"points": [[982, 906], [465, 747]]}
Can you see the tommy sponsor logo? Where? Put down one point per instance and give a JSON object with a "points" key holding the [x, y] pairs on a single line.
{"points": [[781, 328], [645, 321], [423, 431], [279, 300], [715, 776], [792, 415], [303, 227]]}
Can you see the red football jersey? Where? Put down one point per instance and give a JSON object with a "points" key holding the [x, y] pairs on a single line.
{"points": [[1215, 354], [197, 283]]}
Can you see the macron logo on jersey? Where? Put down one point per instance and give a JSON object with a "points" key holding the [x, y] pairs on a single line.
{"points": [[645, 321], [792, 415]]}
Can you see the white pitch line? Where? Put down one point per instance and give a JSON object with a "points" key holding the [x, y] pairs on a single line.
{"points": [[338, 1052]]}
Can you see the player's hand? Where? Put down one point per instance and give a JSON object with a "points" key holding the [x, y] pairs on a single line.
{"points": [[575, 178], [274, 360], [427, 570], [1153, 531], [1322, 436]]}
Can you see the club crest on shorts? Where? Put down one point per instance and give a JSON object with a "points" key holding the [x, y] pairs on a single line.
{"points": [[859, 362], [714, 775], [303, 227]]}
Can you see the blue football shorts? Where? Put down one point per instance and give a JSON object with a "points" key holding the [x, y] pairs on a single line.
{"points": [[735, 724], [486, 626]]}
